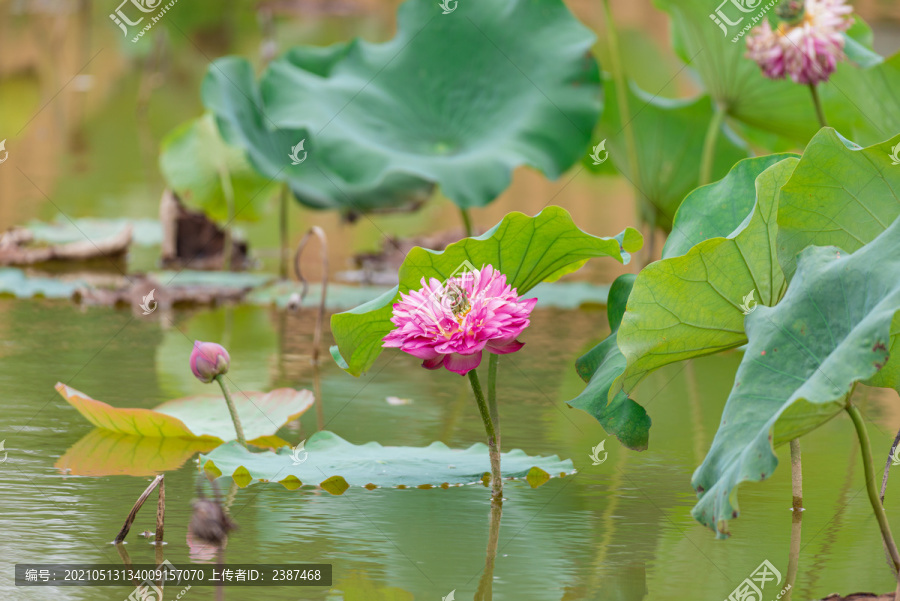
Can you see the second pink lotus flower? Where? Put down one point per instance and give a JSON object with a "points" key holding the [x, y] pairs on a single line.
{"points": [[451, 324]]}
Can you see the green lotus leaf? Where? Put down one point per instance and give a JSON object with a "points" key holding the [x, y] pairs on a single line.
{"points": [[199, 166], [661, 125], [328, 458], [839, 195], [231, 93], [691, 305], [414, 110], [831, 330], [732, 80], [620, 416], [528, 250], [870, 94]]}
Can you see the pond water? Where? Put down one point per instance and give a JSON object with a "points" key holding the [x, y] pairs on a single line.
{"points": [[621, 530]]}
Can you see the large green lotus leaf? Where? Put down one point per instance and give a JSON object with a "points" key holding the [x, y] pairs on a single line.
{"points": [[839, 195], [731, 79], [328, 459], [691, 305], [831, 330], [204, 417], [718, 209], [460, 99], [194, 160], [319, 179], [528, 250], [874, 93], [620, 416], [669, 137]]}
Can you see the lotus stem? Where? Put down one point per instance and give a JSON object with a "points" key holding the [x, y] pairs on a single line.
{"points": [[283, 227], [320, 316], [228, 193], [137, 507], [485, 583], [467, 221], [493, 362], [880, 515], [796, 477], [709, 145], [233, 411], [818, 104], [887, 466], [794, 554], [493, 446]]}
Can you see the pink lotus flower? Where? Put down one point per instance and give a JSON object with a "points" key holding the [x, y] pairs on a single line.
{"points": [[808, 49], [209, 360], [451, 324]]}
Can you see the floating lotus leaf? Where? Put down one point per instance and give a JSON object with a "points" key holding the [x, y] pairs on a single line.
{"points": [[334, 463], [203, 417], [528, 250]]}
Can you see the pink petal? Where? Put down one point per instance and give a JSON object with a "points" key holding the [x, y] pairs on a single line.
{"points": [[462, 364], [500, 347]]}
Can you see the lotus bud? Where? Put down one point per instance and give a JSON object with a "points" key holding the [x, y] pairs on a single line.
{"points": [[209, 360]]}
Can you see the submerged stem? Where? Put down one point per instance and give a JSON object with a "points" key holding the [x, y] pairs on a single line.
{"points": [[493, 445], [818, 104], [233, 411], [709, 145], [880, 515]]}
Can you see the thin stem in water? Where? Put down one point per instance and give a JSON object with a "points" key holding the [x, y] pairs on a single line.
{"points": [[880, 515], [818, 104], [887, 466], [233, 411], [494, 450], [283, 227]]}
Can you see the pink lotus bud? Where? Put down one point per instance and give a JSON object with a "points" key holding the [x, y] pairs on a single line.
{"points": [[209, 360]]}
